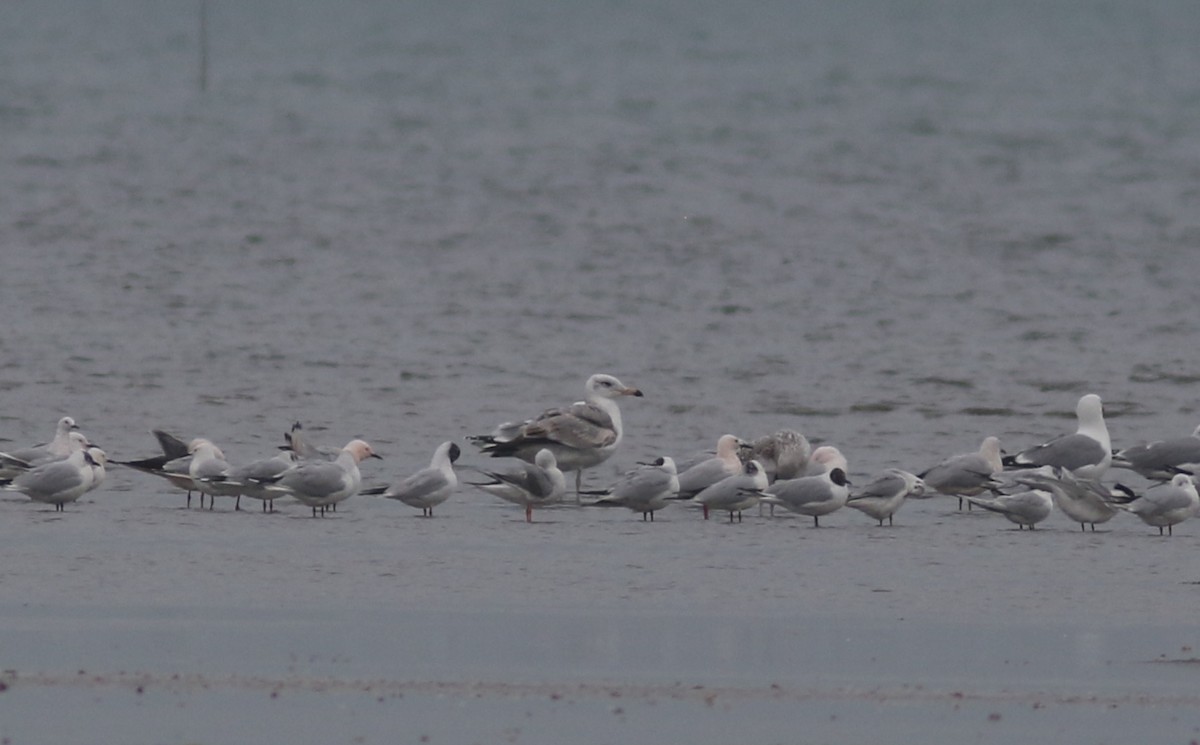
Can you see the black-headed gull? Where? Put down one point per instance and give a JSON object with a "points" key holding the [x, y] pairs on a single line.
{"points": [[428, 487], [885, 494], [536, 484]]}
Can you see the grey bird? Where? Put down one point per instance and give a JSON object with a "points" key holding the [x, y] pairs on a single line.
{"points": [[1166, 505], [536, 484], [645, 490], [735, 493], [1025, 508], [57, 482], [428, 487], [1087, 453], [885, 494], [1160, 461], [968, 474], [1085, 501], [818, 495]]}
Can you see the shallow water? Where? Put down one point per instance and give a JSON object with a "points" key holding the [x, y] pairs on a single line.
{"points": [[895, 227]]}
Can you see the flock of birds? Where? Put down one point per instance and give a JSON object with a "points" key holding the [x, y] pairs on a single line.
{"points": [[778, 470]]}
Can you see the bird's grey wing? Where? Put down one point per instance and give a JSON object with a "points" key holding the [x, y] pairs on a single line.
{"points": [[884, 487], [1070, 452], [702, 475], [644, 485], [962, 472], [50, 479], [316, 479], [420, 485], [1164, 456]]}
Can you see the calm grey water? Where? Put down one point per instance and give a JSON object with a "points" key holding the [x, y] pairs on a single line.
{"points": [[895, 226]]}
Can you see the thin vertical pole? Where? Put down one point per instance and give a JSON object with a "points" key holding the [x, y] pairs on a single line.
{"points": [[203, 45]]}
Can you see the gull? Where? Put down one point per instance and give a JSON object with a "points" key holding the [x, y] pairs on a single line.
{"points": [[97, 459], [1087, 453], [1086, 501], [1166, 505], [711, 470], [252, 479], [532, 485], [883, 496], [428, 487], [645, 489], [815, 495], [1160, 461], [968, 474], [1025, 508], [67, 439], [56, 482], [580, 436], [210, 472], [298, 443], [735, 493], [322, 483], [172, 465], [784, 455]]}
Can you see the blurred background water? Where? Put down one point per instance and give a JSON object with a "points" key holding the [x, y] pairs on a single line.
{"points": [[897, 226]]}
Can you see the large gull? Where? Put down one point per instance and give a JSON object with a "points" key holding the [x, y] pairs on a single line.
{"points": [[1087, 453], [580, 436]]}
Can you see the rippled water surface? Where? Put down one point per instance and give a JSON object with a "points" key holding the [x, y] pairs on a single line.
{"points": [[897, 227]]}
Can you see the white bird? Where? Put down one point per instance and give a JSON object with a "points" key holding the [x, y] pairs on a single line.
{"points": [[210, 472], [646, 489], [98, 459], [67, 439], [711, 470], [1025, 508], [428, 487], [815, 495], [580, 436], [536, 484], [1160, 461], [320, 483], [1085, 501], [735, 493], [1087, 453], [1166, 505], [56, 482], [884, 495], [252, 479], [966, 475]]}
